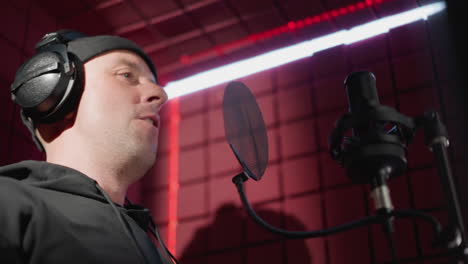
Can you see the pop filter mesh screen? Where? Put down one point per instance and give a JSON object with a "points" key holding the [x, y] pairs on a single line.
{"points": [[245, 129]]}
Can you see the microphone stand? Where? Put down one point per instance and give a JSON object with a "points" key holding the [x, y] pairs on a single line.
{"points": [[436, 139], [451, 237], [373, 155], [383, 204]]}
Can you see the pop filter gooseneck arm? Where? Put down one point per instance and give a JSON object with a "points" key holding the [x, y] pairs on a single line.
{"points": [[239, 180]]}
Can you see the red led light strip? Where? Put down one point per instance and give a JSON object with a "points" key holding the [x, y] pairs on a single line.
{"points": [[287, 28], [173, 174]]}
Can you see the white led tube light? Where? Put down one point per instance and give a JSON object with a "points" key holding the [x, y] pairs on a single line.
{"points": [[298, 51]]}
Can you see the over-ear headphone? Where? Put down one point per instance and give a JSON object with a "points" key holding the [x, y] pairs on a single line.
{"points": [[48, 86]]}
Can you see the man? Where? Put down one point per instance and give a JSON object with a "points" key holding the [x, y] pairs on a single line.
{"points": [[92, 105]]}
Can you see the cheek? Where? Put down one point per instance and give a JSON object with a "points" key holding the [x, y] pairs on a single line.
{"points": [[99, 106]]}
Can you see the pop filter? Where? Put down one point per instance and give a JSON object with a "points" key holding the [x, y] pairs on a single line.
{"points": [[245, 129]]}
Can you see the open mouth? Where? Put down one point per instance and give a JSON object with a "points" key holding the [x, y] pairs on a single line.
{"points": [[152, 120]]}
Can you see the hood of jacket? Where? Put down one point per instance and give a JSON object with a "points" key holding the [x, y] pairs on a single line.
{"points": [[45, 175], [55, 177]]}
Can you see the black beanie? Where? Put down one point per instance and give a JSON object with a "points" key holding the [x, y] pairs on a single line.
{"points": [[86, 48]]}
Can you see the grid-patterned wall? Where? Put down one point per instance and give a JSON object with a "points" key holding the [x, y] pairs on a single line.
{"points": [[303, 189], [22, 24]]}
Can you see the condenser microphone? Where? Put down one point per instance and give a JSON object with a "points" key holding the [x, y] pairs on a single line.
{"points": [[379, 134], [362, 98]]}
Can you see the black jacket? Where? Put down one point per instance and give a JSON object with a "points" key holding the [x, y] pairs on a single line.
{"points": [[54, 214]]}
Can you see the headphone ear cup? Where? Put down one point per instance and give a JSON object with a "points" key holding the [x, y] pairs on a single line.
{"points": [[42, 87], [36, 82], [70, 100]]}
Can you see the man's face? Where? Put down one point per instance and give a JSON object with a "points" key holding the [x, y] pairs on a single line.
{"points": [[118, 111]]}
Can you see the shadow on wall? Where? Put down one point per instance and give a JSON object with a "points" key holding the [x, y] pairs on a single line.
{"points": [[234, 237]]}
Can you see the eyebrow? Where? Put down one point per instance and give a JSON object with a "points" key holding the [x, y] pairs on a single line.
{"points": [[127, 63]]}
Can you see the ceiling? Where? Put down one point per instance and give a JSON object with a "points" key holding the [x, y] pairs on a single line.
{"points": [[173, 31]]}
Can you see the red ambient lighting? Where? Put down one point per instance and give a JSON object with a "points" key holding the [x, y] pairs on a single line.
{"points": [[173, 191], [287, 28], [219, 51]]}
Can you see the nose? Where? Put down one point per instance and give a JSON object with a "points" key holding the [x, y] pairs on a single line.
{"points": [[155, 94]]}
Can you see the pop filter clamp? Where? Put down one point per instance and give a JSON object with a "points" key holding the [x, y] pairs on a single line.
{"points": [[387, 150]]}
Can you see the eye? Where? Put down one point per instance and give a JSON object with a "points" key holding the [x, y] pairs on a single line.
{"points": [[126, 75]]}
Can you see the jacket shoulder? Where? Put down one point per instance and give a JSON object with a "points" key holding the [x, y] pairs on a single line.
{"points": [[15, 214], [15, 197]]}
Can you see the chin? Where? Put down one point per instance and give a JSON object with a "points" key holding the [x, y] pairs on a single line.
{"points": [[141, 151], [147, 156]]}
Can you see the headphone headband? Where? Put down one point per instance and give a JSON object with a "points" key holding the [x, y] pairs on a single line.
{"points": [[59, 37]]}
